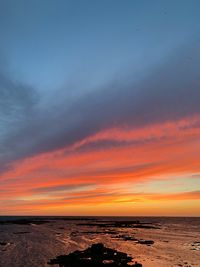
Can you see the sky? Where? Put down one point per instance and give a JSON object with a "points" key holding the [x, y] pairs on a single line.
{"points": [[100, 107]]}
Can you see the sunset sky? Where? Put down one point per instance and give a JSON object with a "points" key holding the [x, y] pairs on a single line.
{"points": [[100, 107]]}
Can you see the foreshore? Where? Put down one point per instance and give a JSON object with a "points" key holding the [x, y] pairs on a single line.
{"points": [[151, 242]]}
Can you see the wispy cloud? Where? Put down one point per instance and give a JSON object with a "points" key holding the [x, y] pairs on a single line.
{"points": [[170, 92], [124, 132]]}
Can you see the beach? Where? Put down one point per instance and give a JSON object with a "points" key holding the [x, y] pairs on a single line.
{"points": [[151, 241]]}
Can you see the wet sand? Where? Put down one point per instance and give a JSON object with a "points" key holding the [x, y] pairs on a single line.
{"points": [[175, 242]]}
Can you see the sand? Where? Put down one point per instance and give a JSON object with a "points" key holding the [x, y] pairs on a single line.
{"points": [[176, 242]]}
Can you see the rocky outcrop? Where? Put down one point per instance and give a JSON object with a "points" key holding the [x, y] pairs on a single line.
{"points": [[95, 256]]}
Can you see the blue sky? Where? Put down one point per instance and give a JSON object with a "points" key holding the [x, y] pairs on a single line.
{"points": [[49, 44]]}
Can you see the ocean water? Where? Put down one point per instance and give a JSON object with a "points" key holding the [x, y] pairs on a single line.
{"points": [[176, 240]]}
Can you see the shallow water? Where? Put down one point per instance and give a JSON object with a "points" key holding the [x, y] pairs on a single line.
{"points": [[34, 245]]}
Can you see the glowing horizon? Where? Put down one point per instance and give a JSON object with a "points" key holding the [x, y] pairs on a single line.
{"points": [[159, 170]]}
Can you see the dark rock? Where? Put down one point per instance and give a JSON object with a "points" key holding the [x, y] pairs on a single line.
{"points": [[121, 224], [3, 243], [146, 242], [131, 238], [95, 256], [110, 232], [136, 264], [21, 233], [126, 238]]}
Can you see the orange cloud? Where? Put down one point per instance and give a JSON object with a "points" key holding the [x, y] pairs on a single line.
{"points": [[137, 155]]}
